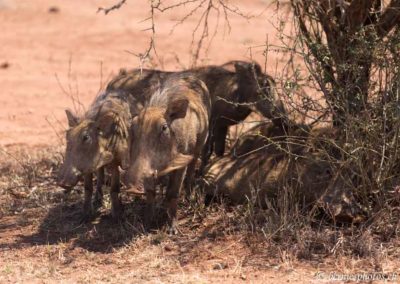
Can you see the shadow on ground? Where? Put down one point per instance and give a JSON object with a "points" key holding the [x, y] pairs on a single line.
{"points": [[62, 224]]}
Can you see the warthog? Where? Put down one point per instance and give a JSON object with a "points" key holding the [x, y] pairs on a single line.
{"points": [[167, 138], [236, 88], [139, 84], [247, 90], [135, 89], [98, 139], [258, 169]]}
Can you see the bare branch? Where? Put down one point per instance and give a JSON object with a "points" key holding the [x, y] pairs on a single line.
{"points": [[114, 7], [204, 33], [203, 22], [183, 3], [188, 15]]}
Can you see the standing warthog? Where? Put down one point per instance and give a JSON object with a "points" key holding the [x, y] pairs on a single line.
{"points": [[125, 96], [167, 138], [258, 169], [99, 139], [241, 92]]}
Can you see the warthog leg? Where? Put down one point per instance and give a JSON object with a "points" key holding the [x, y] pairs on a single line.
{"points": [[174, 188], [116, 206], [207, 150], [98, 197], [190, 173], [87, 202], [219, 140], [149, 210]]}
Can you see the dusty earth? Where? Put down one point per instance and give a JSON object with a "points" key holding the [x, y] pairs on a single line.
{"points": [[59, 54], [51, 59]]}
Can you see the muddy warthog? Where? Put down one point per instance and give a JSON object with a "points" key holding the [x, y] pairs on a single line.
{"points": [[98, 139], [167, 138], [258, 169]]}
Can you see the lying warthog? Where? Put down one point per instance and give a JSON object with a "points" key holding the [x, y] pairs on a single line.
{"points": [[167, 138], [236, 88], [259, 168], [97, 140]]}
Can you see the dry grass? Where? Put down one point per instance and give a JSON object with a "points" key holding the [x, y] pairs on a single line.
{"points": [[41, 237]]}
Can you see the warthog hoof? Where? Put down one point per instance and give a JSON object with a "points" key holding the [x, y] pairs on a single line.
{"points": [[116, 212], [172, 229], [97, 202]]}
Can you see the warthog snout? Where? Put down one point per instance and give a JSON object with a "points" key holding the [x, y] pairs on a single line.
{"points": [[68, 178], [139, 187], [138, 180]]}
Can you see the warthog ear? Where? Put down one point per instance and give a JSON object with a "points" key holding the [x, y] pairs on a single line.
{"points": [[179, 162], [239, 68], [257, 68], [177, 108], [122, 72], [72, 119], [248, 68]]}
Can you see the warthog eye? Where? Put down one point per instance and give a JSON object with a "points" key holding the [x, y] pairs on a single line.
{"points": [[164, 127], [85, 137], [165, 132]]}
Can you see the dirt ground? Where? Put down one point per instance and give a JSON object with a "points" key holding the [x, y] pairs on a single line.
{"points": [[49, 57], [57, 54]]}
